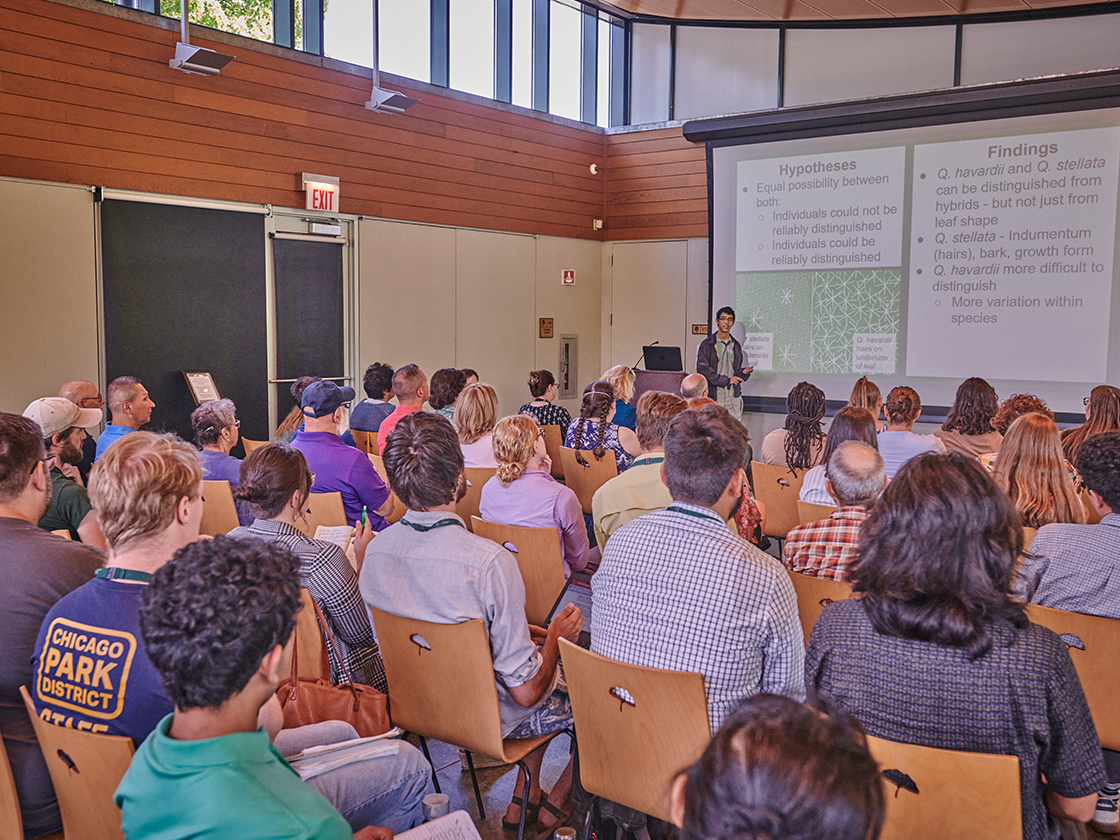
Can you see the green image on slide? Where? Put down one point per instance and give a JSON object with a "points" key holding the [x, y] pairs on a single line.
{"points": [[814, 315]]}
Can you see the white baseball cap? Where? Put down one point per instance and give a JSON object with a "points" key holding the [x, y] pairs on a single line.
{"points": [[57, 414]]}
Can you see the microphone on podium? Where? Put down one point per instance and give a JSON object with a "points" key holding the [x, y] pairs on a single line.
{"points": [[644, 353]]}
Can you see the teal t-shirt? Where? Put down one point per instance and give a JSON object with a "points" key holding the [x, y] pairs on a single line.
{"points": [[233, 786]]}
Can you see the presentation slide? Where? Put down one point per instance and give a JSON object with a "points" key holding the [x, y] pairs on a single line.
{"points": [[926, 256]]}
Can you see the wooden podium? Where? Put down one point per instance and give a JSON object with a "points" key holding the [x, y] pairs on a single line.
{"points": [[656, 380]]}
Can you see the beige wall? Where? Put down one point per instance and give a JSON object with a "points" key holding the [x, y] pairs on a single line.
{"points": [[48, 288]]}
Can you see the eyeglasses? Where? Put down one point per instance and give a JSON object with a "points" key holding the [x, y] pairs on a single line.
{"points": [[540, 432], [43, 461], [1085, 401], [725, 318]]}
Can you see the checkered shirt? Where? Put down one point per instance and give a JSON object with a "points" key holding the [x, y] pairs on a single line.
{"points": [[826, 548], [1075, 568], [678, 590]]}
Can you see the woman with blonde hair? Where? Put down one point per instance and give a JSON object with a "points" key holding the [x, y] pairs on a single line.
{"points": [[621, 379], [866, 394], [1032, 470], [476, 412], [524, 493], [1102, 414], [596, 430]]}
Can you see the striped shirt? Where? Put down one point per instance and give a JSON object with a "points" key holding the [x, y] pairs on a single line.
{"points": [[825, 549]]}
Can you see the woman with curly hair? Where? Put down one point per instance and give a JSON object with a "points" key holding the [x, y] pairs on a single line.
{"points": [[1033, 472], [968, 428], [595, 430], [1102, 414], [622, 380], [1014, 407], [523, 492], [475, 416], [799, 444], [446, 385], [866, 394], [542, 385], [898, 444]]}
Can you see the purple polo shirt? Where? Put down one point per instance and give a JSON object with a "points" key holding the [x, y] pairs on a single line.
{"points": [[343, 469], [537, 500]]}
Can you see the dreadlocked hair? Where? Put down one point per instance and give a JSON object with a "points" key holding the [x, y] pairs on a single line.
{"points": [[598, 400], [805, 410]]}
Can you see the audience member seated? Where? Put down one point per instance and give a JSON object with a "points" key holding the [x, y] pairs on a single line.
{"points": [[799, 444], [677, 589], [1102, 414], [339, 468], [866, 394], [1015, 407], [411, 388], [778, 769], [447, 384], [471, 374], [848, 424], [621, 380], [856, 477], [148, 493], [428, 566], [275, 485], [641, 488], [934, 650], [968, 428], [130, 407], [291, 424], [475, 419], [217, 430], [1031, 469], [595, 430], [64, 429], [85, 395], [38, 569], [694, 386], [524, 493], [207, 770], [898, 444], [367, 415], [542, 385]]}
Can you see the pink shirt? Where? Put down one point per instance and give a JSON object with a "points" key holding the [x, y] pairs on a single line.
{"points": [[390, 423]]}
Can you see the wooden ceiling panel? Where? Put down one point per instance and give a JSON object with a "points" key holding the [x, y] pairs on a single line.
{"points": [[808, 10], [914, 8]]}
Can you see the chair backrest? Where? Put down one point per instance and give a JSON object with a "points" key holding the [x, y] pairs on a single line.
{"points": [[777, 487], [467, 507], [553, 442], [86, 770], [1028, 536], [813, 595], [441, 685], [585, 480], [934, 794], [808, 512], [367, 441], [250, 445], [1094, 647], [11, 823], [62, 532], [219, 514], [399, 507], [311, 650], [539, 558], [322, 509], [638, 727]]}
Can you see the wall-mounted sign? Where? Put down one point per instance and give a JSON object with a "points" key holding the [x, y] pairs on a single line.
{"points": [[321, 192], [546, 328], [699, 329], [568, 277]]}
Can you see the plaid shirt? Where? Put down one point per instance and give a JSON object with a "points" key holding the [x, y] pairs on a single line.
{"points": [[678, 590], [824, 549], [1075, 568]]}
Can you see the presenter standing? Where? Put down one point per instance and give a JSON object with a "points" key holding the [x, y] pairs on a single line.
{"points": [[720, 360]]}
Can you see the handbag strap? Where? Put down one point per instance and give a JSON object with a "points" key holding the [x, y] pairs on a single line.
{"points": [[326, 632]]}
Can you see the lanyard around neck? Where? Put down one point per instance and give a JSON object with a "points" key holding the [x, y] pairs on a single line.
{"points": [[117, 573], [440, 524]]}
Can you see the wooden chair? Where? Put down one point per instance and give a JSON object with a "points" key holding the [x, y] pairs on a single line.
{"points": [[322, 509], [219, 514], [585, 480], [638, 727], [399, 507], [367, 441], [813, 595], [85, 769], [808, 512], [1028, 536], [467, 507], [11, 823], [540, 559], [250, 445], [310, 648], [1094, 647], [441, 685], [934, 794], [553, 443], [777, 487], [62, 532]]}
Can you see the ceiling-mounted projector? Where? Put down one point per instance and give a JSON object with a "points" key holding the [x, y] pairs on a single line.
{"points": [[383, 101], [192, 59]]}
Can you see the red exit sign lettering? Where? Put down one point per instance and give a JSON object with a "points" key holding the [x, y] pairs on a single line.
{"points": [[321, 192]]}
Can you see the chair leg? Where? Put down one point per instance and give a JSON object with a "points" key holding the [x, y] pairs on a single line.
{"points": [[590, 818], [524, 798], [424, 747], [474, 781]]}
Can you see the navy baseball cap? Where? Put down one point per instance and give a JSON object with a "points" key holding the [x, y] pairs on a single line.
{"points": [[323, 397]]}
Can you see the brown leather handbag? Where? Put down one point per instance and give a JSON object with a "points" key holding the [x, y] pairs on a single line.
{"points": [[307, 700]]}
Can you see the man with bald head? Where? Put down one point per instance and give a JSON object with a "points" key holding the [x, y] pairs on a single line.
{"points": [[131, 408], [410, 384], [84, 395], [694, 386], [856, 477]]}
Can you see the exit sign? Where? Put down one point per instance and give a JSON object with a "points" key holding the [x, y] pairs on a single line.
{"points": [[321, 192]]}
